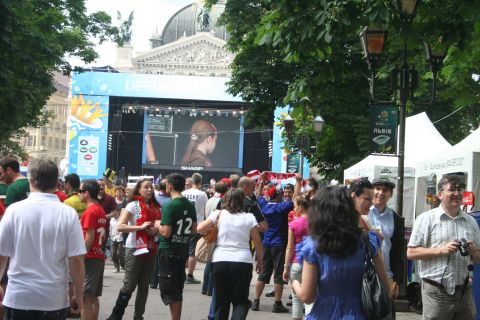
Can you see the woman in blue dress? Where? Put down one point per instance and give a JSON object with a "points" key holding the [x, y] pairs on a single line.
{"points": [[333, 257]]}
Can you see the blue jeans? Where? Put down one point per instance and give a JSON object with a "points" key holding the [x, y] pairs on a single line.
{"points": [[207, 284], [211, 312]]}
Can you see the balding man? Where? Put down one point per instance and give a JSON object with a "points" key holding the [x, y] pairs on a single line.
{"points": [[247, 185]]}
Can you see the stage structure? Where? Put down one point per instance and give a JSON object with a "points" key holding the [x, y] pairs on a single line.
{"points": [[147, 123]]}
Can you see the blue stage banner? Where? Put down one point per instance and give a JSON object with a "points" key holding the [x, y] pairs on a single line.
{"points": [[152, 86], [87, 135]]}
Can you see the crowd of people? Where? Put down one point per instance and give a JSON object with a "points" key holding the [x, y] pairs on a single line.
{"points": [[54, 239]]}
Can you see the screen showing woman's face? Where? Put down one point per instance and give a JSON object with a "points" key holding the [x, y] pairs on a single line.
{"points": [[212, 142]]}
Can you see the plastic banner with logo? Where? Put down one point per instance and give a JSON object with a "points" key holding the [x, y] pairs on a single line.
{"points": [[87, 135], [383, 129]]}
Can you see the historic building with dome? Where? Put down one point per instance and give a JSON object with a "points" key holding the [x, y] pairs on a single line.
{"points": [[190, 44], [153, 109]]}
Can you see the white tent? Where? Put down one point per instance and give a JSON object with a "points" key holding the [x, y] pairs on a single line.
{"points": [[462, 157], [421, 141]]}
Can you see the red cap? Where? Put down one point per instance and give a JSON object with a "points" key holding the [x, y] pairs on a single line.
{"points": [[271, 192], [227, 182]]}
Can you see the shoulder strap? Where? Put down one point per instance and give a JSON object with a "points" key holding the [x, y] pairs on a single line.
{"points": [[218, 217], [368, 250]]}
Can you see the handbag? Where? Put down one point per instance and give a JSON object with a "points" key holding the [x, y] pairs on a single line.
{"points": [[206, 244], [376, 302]]}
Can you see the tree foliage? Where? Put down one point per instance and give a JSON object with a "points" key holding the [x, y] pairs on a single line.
{"points": [[37, 37], [290, 49]]}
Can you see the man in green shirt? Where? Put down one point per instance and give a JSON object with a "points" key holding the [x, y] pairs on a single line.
{"points": [[19, 187], [178, 222]]}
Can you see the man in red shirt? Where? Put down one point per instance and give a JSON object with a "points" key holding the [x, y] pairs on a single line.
{"points": [[94, 223]]}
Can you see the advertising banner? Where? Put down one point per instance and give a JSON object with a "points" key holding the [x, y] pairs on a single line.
{"points": [[153, 86], [87, 136], [383, 129]]}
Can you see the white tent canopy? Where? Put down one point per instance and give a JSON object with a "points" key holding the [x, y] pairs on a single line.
{"points": [[463, 157], [421, 141]]}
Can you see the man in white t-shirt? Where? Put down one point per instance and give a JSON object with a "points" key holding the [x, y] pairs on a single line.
{"points": [[40, 235], [199, 199]]}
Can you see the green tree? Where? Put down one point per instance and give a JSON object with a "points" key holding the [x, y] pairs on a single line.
{"points": [[37, 37], [290, 49]]}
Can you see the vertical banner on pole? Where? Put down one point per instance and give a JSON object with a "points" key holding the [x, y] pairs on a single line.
{"points": [[383, 129], [87, 136], [293, 163]]}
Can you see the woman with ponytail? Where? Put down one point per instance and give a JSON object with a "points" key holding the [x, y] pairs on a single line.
{"points": [[203, 139], [137, 219]]}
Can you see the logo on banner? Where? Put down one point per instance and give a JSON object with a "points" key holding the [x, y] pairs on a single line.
{"points": [[383, 129]]}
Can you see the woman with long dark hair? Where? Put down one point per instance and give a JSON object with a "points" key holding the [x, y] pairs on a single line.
{"points": [[138, 219], [232, 259], [361, 191], [203, 139], [333, 257]]}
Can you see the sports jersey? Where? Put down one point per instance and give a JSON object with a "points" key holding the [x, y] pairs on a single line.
{"points": [[17, 191], [94, 218], [178, 213], [77, 204]]}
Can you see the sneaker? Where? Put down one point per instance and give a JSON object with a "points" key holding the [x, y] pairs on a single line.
{"points": [[255, 305], [116, 271], [192, 280], [289, 304], [279, 308], [270, 294]]}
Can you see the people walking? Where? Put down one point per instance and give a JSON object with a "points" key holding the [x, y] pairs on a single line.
{"points": [[333, 257], [138, 220], [297, 230], [178, 223], [94, 224], [446, 242], [43, 239], [232, 259]]}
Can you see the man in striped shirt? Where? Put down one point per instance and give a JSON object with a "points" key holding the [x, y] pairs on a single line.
{"points": [[446, 292]]}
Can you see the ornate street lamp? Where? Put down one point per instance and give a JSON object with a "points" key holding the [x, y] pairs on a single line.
{"points": [[373, 43], [303, 142], [288, 124], [404, 79], [318, 123]]}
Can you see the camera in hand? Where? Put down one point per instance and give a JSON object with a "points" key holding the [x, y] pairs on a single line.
{"points": [[463, 246]]}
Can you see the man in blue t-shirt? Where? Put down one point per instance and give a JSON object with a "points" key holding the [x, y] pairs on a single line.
{"points": [[275, 239]]}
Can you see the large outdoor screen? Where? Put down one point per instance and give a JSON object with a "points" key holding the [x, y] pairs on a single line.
{"points": [[185, 142]]}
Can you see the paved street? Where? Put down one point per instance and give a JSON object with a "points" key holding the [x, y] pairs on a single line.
{"points": [[195, 306]]}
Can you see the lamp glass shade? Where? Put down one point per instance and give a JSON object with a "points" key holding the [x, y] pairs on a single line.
{"points": [[318, 123], [407, 7], [288, 123], [375, 43]]}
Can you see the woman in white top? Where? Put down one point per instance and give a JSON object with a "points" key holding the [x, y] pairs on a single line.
{"points": [[232, 259], [137, 219]]}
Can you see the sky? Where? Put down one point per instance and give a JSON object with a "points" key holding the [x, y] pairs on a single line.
{"points": [[148, 15]]}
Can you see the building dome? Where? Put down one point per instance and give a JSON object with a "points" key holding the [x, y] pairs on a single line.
{"points": [[185, 22]]}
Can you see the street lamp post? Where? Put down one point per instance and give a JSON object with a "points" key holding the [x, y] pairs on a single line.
{"points": [[404, 80], [304, 140]]}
